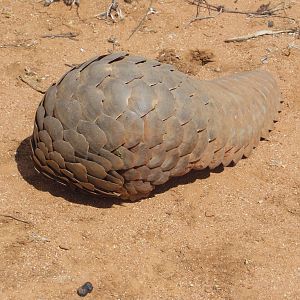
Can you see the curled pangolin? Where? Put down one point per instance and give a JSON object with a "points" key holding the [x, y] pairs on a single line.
{"points": [[119, 125]]}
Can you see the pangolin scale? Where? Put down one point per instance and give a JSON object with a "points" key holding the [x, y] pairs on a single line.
{"points": [[119, 125]]}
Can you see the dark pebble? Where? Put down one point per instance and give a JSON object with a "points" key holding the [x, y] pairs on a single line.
{"points": [[85, 289], [270, 24]]}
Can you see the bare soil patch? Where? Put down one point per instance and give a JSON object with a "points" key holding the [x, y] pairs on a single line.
{"points": [[228, 234]]}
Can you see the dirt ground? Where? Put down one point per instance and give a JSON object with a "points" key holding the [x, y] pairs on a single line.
{"points": [[231, 234]]}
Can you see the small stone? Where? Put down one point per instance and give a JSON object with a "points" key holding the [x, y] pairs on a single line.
{"points": [[38, 237], [264, 60], [85, 289], [112, 40], [152, 10], [286, 51], [216, 288], [270, 24], [209, 214], [64, 247], [208, 290]]}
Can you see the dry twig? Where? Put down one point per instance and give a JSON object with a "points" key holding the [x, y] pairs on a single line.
{"points": [[263, 11], [201, 18], [150, 10], [71, 65], [109, 13], [204, 2], [257, 34], [67, 35], [16, 219], [290, 46], [204, 18]]}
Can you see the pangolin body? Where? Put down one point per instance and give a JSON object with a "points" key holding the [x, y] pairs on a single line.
{"points": [[119, 125]]}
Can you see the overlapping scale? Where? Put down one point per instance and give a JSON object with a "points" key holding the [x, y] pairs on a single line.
{"points": [[119, 125]]}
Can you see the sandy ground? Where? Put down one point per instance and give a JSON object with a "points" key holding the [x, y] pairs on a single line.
{"points": [[229, 234]]}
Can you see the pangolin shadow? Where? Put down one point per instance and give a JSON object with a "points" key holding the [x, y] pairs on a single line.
{"points": [[40, 182]]}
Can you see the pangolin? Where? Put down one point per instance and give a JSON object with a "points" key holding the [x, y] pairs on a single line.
{"points": [[119, 125]]}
